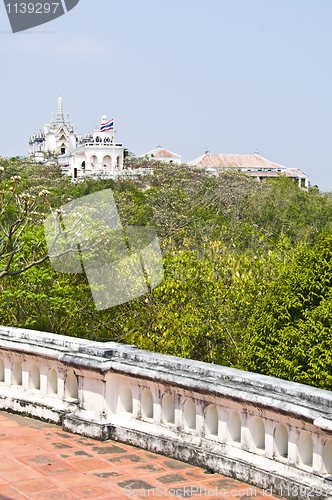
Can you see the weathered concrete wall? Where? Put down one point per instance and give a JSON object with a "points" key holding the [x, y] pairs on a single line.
{"points": [[262, 430]]}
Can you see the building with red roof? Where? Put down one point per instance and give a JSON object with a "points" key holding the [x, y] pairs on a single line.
{"points": [[252, 164], [161, 154]]}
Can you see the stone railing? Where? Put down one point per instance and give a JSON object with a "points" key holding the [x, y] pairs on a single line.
{"points": [[265, 431]]}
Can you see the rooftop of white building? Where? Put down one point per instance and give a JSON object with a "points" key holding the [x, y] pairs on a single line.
{"points": [[160, 152]]}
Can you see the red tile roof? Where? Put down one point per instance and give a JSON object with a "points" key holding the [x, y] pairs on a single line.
{"points": [[161, 153], [234, 161], [164, 152]]}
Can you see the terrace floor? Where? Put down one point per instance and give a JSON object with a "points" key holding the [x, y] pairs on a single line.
{"points": [[39, 461]]}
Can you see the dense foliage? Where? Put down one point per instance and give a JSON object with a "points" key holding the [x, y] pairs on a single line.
{"points": [[19, 212], [228, 243], [289, 335]]}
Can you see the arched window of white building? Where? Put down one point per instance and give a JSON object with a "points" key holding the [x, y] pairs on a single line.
{"points": [[2, 371], [94, 161], [107, 162]]}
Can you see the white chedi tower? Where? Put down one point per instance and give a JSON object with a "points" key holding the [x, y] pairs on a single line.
{"points": [[59, 137]]}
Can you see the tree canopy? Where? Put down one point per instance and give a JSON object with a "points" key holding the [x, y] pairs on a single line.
{"points": [[243, 261], [289, 334]]}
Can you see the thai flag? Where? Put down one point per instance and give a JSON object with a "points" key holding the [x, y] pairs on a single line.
{"points": [[107, 126]]}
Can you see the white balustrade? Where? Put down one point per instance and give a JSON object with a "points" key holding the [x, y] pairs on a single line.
{"points": [[262, 430]]}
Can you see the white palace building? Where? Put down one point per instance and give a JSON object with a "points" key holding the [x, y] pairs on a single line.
{"points": [[78, 156]]}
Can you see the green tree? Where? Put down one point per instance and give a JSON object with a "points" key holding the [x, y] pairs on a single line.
{"points": [[289, 335], [200, 309], [19, 212]]}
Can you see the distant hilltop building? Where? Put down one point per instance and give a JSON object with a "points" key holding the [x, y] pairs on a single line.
{"points": [[59, 137], [94, 154], [98, 154], [252, 164], [162, 154]]}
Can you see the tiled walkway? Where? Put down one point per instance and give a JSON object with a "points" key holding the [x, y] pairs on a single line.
{"points": [[39, 461]]}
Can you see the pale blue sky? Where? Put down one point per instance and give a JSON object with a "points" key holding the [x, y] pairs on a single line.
{"points": [[227, 75]]}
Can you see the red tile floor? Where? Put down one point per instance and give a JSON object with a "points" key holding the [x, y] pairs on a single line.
{"points": [[39, 461]]}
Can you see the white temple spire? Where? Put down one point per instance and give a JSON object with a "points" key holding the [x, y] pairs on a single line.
{"points": [[59, 116]]}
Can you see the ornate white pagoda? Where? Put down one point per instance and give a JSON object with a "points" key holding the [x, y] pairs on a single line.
{"points": [[59, 137], [94, 154]]}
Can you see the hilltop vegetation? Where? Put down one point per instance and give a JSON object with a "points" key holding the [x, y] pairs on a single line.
{"points": [[237, 255]]}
